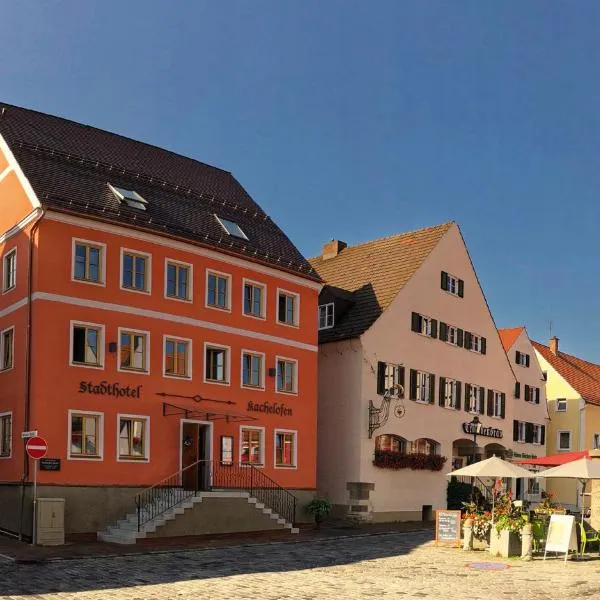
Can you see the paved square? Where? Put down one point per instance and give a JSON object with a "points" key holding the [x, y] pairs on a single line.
{"points": [[377, 566]]}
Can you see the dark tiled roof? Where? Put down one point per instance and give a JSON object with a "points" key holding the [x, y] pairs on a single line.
{"points": [[69, 166], [580, 374], [374, 272]]}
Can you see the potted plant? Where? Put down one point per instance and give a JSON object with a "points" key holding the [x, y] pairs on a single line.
{"points": [[509, 520], [318, 508]]}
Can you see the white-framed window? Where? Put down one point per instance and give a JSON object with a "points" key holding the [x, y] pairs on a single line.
{"points": [[130, 197], [288, 307], [389, 378], [218, 289], [136, 271], [87, 345], [9, 270], [521, 359], [497, 404], [253, 369], [177, 357], [252, 445], [254, 299], [451, 393], [134, 350], [425, 446], [89, 261], [286, 448], [596, 441], [452, 335], [532, 394], [5, 435], [7, 349], [426, 323], [475, 343], [563, 439], [391, 443], [133, 435], [475, 399], [326, 315], [424, 381], [452, 284], [287, 375], [231, 227], [537, 434], [86, 433], [521, 432], [178, 280], [561, 405], [216, 363]]}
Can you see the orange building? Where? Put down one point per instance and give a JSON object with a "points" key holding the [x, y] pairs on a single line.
{"points": [[156, 327]]}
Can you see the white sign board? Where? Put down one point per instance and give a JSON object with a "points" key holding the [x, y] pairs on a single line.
{"points": [[28, 434], [561, 535]]}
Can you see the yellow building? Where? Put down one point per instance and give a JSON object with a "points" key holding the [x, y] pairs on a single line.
{"points": [[573, 394]]}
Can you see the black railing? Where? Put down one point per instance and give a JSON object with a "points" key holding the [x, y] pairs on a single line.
{"points": [[206, 475]]}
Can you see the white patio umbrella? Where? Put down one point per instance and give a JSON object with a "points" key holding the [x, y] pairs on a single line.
{"points": [[492, 467]]}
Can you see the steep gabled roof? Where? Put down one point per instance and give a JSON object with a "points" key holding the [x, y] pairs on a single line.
{"points": [[69, 166], [581, 375], [374, 272], [509, 336]]}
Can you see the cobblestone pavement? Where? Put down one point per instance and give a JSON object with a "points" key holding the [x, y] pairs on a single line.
{"points": [[377, 566]]}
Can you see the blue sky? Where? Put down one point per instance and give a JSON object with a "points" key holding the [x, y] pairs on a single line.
{"points": [[356, 120]]}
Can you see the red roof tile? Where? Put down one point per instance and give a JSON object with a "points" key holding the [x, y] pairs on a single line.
{"points": [[509, 336]]}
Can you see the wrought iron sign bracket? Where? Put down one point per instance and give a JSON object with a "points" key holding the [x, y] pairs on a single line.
{"points": [[196, 398]]}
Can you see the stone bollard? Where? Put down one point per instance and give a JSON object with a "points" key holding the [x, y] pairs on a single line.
{"points": [[468, 535], [527, 542]]}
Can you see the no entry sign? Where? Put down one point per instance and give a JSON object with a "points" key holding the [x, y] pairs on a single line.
{"points": [[36, 447]]}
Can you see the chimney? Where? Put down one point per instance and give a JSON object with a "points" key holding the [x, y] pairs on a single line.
{"points": [[554, 345], [333, 248]]}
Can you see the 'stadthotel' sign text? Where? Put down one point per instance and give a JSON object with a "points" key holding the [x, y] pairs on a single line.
{"points": [[110, 389], [485, 431], [274, 408]]}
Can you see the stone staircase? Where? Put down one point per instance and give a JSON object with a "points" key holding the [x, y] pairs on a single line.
{"points": [[175, 502]]}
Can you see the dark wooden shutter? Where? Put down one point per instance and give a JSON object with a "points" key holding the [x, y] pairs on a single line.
{"points": [[529, 433], [416, 322], [458, 391], [431, 388], [482, 403], [461, 288], [381, 378], [517, 390], [401, 376], [515, 431], [467, 340], [527, 396], [527, 360], [543, 439], [444, 280], [460, 337], [502, 405], [467, 396], [483, 345], [490, 403], [434, 328], [412, 394], [443, 331], [518, 357], [537, 395], [442, 391]]}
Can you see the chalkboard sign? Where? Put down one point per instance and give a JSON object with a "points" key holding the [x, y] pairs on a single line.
{"points": [[447, 527], [561, 536], [50, 464]]}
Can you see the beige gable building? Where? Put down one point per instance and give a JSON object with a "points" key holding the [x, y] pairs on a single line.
{"points": [[409, 355]]}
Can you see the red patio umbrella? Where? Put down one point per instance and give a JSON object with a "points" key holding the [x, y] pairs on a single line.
{"points": [[554, 460]]}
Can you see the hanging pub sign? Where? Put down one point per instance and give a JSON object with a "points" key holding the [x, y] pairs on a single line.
{"points": [[492, 432], [110, 389]]}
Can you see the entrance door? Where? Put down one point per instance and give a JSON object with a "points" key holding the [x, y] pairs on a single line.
{"points": [[194, 456]]}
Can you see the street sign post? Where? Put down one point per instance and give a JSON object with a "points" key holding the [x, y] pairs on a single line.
{"points": [[36, 448], [29, 434]]}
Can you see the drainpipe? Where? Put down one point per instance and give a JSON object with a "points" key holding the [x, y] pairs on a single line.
{"points": [[25, 476]]}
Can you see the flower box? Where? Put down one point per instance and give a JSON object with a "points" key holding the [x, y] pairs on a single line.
{"points": [[386, 459], [506, 543]]}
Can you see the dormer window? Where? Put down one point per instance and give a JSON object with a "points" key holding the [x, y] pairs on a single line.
{"points": [[231, 227], [130, 197], [326, 318]]}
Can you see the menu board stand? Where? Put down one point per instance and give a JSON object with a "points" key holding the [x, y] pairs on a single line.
{"points": [[447, 527]]}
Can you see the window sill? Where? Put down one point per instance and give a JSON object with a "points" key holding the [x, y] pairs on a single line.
{"points": [[449, 293], [257, 465], [422, 401], [10, 289], [84, 457], [5, 456], [86, 365], [286, 392], [180, 377], [135, 291], [292, 325], [133, 371], [257, 317], [257, 388], [133, 459], [286, 467], [6, 369], [178, 299], [223, 309], [89, 282], [217, 382]]}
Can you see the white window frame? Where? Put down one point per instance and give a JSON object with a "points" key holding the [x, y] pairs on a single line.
{"points": [[452, 282], [326, 307], [497, 414], [521, 432], [148, 258], [294, 466], [146, 370], [262, 369], [426, 323], [475, 343], [239, 237], [229, 279], [10, 448], [537, 434], [101, 344], [100, 435], [263, 304], [423, 385], [522, 362], [559, 449], [295, 295], [190, 290], [146, 419], [451, 329], [262, 446], [212, 345], [3, 368], [102, 247], [558, 403], [290, 360], [6, 289], [450, 399], [189, 357], [475, 398]]}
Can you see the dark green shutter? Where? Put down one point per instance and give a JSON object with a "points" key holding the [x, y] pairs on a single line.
{"points": [[431, 388], [381, 378], [460, 337], [434, 328], [468, 338], [483, 345], [490, 403], [443, 331], [537, 395], [502, 405], [444, 280], [515, 431], [517, 390], [527, 396], [442, 391], [482, 403], [416, 322], [517, 357], [461, 288], [529, 433], [458, 391], [401, 376], [467, 396], [413, 385], [543, 440], [527, 360]]}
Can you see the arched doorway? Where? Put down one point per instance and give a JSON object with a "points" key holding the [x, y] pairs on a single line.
{"points": [[495, 450], [462, 453]]}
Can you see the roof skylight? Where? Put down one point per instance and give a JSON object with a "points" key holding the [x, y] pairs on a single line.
{"points": [[131, 198], [232, 228]]}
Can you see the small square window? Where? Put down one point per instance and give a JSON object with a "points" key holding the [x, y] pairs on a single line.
{"points": [[87, 345], [133, 437], [216, 363], [285, 448], [178, 280], [6, 435], [177, 357], [7, 352], [252, 370], [287, 308], [254, 299], [564, 440], [326, 316], [561, 405], [231, 227], [9, 276], [286, 375], [217, 290]]}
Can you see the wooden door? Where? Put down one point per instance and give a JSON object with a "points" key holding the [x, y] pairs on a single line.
{"points": [[189, 455]]}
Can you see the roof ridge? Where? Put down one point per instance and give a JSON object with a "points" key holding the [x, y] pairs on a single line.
{"points": [[561, 353], [112, 133]]}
